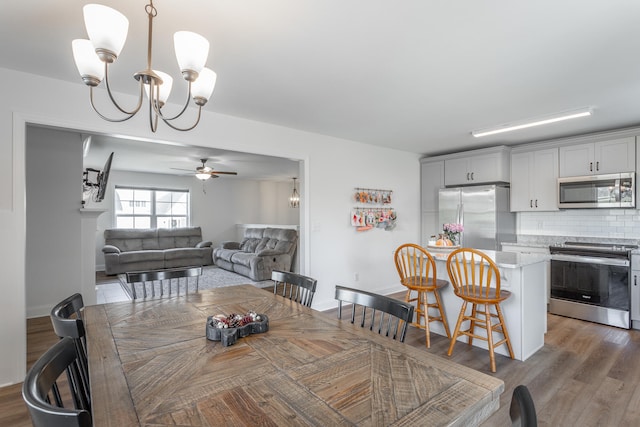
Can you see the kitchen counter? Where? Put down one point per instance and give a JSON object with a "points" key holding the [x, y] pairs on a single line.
{"points": [[525, 312], [502, 259]]}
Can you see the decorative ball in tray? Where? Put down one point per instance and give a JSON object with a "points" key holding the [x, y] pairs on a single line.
{"points": [[227, 329]]}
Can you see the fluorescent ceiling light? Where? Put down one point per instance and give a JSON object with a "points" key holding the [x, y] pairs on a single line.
{"points": [[535, 122]]}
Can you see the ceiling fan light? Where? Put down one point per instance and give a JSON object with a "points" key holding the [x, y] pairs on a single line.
{"points": [[202, 88], [203, 176], [107, 29], [165, 87], [192, 51], [89, 66]]}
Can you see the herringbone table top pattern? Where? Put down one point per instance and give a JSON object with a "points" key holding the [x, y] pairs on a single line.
{"points": [[151, 365]]}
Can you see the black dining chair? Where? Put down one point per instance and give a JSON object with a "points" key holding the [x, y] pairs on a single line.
{"points": [[399, 313], [66, 318], [522, 410], [294, 286], [49, 404]]}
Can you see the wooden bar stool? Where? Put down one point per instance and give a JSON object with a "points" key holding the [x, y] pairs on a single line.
{"points": [[472, 273], [417, 271]]}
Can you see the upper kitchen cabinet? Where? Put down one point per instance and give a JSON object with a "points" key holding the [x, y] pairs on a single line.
{"points": [[602, 157], [534, 176], [486, 166], [431, 181]]}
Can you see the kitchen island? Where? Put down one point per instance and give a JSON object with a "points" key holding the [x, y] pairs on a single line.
{"points": [[525, 312]]}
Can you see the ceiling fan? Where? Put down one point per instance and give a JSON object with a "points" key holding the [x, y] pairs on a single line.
{"points": [[204, 172]]}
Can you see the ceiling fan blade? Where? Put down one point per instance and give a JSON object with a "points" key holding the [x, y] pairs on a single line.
{"points": [[180, 169], [223, 173]]}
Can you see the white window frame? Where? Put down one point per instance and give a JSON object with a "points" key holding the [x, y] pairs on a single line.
{"points": [[153, 216]]}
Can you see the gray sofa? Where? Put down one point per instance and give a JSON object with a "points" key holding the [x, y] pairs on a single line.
{"points": [[261, 251], [129, 249]]}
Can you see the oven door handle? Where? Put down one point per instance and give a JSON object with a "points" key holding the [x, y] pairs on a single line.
{"points": [[591, 260]]}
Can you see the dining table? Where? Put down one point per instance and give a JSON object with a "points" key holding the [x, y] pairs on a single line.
{"points": [[151, 364]]}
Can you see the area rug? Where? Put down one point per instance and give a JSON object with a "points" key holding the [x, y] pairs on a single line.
{"points": [[212, 277]]}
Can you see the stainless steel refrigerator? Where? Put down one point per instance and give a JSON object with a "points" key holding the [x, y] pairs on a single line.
{"points": [[484, 213]]}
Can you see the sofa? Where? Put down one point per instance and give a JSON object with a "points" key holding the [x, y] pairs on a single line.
{"points": [[128, 249], [261, 251]]}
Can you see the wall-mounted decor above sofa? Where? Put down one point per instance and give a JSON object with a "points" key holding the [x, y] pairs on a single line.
{"points": [[128, 249], [261, 251]]}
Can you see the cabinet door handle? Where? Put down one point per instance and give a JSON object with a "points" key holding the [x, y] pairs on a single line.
{"points": [[597, 166], [467, 176], [530, 203], [471, 176], [590, 166], [635, 280], [536, 203]]}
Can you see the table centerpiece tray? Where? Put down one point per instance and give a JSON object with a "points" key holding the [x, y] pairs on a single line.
{"points": [[227, 329]]}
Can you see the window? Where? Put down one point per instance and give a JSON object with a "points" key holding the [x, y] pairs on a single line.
{"points": [[151, 208]]}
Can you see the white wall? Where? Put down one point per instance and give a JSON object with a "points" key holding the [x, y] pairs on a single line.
{"points": [[332, 251], [226, 201]]}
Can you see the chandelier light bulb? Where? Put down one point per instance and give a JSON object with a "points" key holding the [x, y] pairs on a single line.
{"points": [[165, 87], [192, 51], [202, 88], [90, 67], [107, 29]]}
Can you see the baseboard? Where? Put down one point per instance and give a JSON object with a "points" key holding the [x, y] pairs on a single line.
{"points": [[38, 311]]}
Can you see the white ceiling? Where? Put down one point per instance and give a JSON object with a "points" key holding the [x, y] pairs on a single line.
{"points": [[416, 75]]}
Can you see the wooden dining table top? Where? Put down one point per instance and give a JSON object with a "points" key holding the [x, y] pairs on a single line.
{"points": [[151, 365]]}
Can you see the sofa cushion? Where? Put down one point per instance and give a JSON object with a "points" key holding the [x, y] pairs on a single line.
{"points": [[243, 258], [141, 256], [180, 253], [169, 238], [249, 244], [226, 254], [130, 239]]}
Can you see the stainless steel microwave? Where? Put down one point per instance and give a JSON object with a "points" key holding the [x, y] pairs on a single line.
{"points": [[597, 191]]}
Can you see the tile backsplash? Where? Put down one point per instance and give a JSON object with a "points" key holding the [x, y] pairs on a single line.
{"points": [[602, 223]]}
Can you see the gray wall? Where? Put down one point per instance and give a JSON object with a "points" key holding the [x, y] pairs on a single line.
{"points": [[53, 234]]}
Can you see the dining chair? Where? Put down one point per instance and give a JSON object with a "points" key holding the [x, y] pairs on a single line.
{"points": [[417, 271], [522, 410], [49, 404], [294, 286], [476, 280], [66, 318], [399, 313]]}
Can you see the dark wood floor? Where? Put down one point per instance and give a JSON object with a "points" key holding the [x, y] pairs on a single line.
{"points": [[586, 375]]}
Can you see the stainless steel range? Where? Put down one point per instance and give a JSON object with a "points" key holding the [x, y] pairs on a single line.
{"points": [[590, 281]]}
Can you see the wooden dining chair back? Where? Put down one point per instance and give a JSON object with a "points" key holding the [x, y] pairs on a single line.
{"points": [[522, 410], [417, 270], [398, 313], [294, 286], [476, 280], [66, 318], [49, 402]]}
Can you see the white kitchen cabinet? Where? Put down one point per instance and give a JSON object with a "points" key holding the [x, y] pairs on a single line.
{"points": [[479, 167], [431, 181], [520, 249], [613, 156], [534, 176], [635, 292]]}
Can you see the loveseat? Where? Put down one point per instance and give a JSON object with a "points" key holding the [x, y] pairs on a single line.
{"points": [[128, 249], [261, 251]]}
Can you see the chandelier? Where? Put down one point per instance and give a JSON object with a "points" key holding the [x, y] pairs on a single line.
{"points": [[294, 200], [107, 29]]}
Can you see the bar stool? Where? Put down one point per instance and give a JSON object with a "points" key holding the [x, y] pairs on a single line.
{"points": [[417, 271], [472, 273]]}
